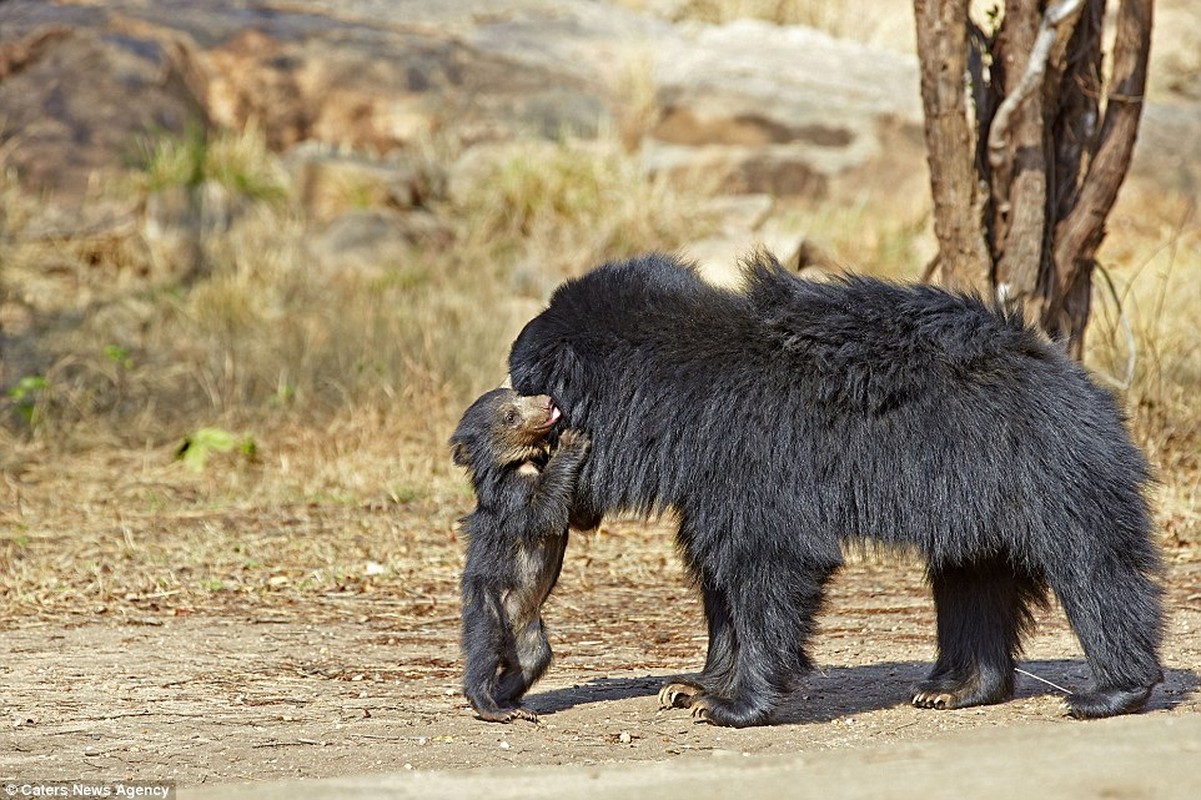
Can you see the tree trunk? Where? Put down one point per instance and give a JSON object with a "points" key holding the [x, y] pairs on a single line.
{"points": [[1019, 186], [942, 35], [1024, 179]]}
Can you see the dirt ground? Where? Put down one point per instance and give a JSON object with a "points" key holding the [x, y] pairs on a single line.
{"points": [[262, 686]]}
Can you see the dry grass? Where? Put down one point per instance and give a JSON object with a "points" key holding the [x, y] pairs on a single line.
{"points": [[263, 334], [1144, 338], [347, 384]]}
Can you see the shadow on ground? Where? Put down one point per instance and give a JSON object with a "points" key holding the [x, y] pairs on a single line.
{"points": [[839, 692]]}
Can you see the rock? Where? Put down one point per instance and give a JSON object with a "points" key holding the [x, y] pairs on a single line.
{"points": [[586, 40], [1167, 153], [736, 213], [781, 110], [747, 222], [80, 85], [1174, 73], [784, 110], [377, 76], [370, 76], [76, 101]]}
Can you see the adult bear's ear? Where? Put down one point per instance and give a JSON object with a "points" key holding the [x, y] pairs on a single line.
{"points": [[568, 374]]}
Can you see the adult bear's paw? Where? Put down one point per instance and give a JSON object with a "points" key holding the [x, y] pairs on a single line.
{"points": [[679, 694], [939, 699], [507, 715], [728, 713], [1107, 702], [944, 691]]}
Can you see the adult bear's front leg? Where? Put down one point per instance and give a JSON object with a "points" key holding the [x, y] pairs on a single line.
{"points": [[720, 661], [718, 674], [770, 624]]}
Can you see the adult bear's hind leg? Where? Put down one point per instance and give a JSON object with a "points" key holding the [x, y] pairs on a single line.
{"points": [[983, 609], [1117, 617]]}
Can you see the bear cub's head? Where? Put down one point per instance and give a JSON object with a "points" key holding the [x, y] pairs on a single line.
{"points": [[503, 428]]}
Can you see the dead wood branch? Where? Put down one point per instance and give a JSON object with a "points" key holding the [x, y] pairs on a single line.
{"points": [[1061, 15]]}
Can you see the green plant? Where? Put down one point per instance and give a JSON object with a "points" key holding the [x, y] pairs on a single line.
{"points": [[25, 396], [118, 355], [203, 442], [403, 495], [169, 161]]}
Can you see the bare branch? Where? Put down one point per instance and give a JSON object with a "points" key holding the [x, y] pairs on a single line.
{"points": [[1061, 15], [1026, 210], [1076, 108], [1080, 233]]}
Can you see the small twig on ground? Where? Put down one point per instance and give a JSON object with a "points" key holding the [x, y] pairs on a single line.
{"points": [[897, 728], [1042, 680], [295, 743]]}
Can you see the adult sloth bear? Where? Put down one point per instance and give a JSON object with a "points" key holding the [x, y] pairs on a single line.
{"points": [[792, 418]]}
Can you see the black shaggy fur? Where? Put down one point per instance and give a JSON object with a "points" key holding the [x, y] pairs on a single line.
{"points": [[788, 420], [516, 538]]}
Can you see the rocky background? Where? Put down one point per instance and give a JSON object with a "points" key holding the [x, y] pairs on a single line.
{"points": [[348, 89]]}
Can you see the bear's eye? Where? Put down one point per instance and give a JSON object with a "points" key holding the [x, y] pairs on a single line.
{"points": [[511, 416]]}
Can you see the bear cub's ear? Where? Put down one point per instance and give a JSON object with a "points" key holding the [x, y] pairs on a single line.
{"points": [[460, 453]]}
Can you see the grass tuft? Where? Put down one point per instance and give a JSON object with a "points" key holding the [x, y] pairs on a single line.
{"points": [[239, 162]]}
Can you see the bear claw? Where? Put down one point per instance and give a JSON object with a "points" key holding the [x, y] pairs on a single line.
{"points": [[678, 695], [507, 715], [938, 700]]}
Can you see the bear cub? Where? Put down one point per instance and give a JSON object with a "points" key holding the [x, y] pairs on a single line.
{"points": [[524, 477]]}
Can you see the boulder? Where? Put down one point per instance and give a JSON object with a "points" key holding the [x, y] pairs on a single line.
{"points": [[80, 85], [78, 99], [783, 110], [762, 108]]}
